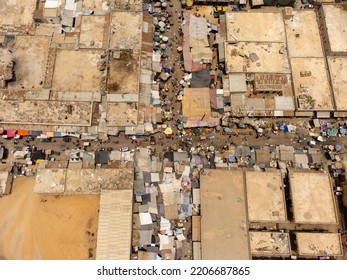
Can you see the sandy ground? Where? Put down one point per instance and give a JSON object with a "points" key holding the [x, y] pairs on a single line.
{"points": [[47, 227]]}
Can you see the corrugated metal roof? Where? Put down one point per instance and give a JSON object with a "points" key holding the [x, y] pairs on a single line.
{"points": [[115, 225], [285, 103], [237, 82]]}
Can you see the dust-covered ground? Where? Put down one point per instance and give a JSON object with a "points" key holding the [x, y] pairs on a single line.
{"points": [[35, 226]]}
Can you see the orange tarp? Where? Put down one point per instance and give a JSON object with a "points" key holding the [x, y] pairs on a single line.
{"points": [[23, 132]]}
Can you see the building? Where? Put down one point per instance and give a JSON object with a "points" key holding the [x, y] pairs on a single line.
{"points": [[282, 63], [256, 60], [318, 244], [333, 22], [196, 108], [269, 244], [73, 57], [115, 225], [264, 218], [265, 197], [312, 197], [6, 179], [223, 192], [82, 180]]}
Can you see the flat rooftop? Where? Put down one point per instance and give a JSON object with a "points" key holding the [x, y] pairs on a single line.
{"points": [[126, 30], [121, 114], [223, 216], [270, 244], [30, 54], [338, 74], [115, 225], [82, 181], [310, 78], [95, 180], [265, 197], [17, 12], [77, 71], [312, 198], [303, 35], [50, 181], [318, 244], [336, 23], [46, 112], [3, 181], [196, 102], [255, 26], [256, 57]]}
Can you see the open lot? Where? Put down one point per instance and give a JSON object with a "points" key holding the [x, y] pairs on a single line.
{"points": [[124, 73], [92, 32], [17, 11], [47, 227], [95, 5], [126, 30], [30, 54], [77, 71]]}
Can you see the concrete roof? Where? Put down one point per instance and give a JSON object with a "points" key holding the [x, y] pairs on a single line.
{"points": [[265, 197], [196, 102], [3, 181], [223, 216], [338, 74], [237, 82], [95, 180], [312, 198], [115, 225], [272, 57], [255, 26], [318, 244], [50, 181], [310, 74], [336, 23], [46, 112], [269, 244], [82, 181], [303, 35], [121, 114]]}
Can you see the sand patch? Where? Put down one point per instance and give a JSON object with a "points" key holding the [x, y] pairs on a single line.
{"points": [[36, 226]]}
